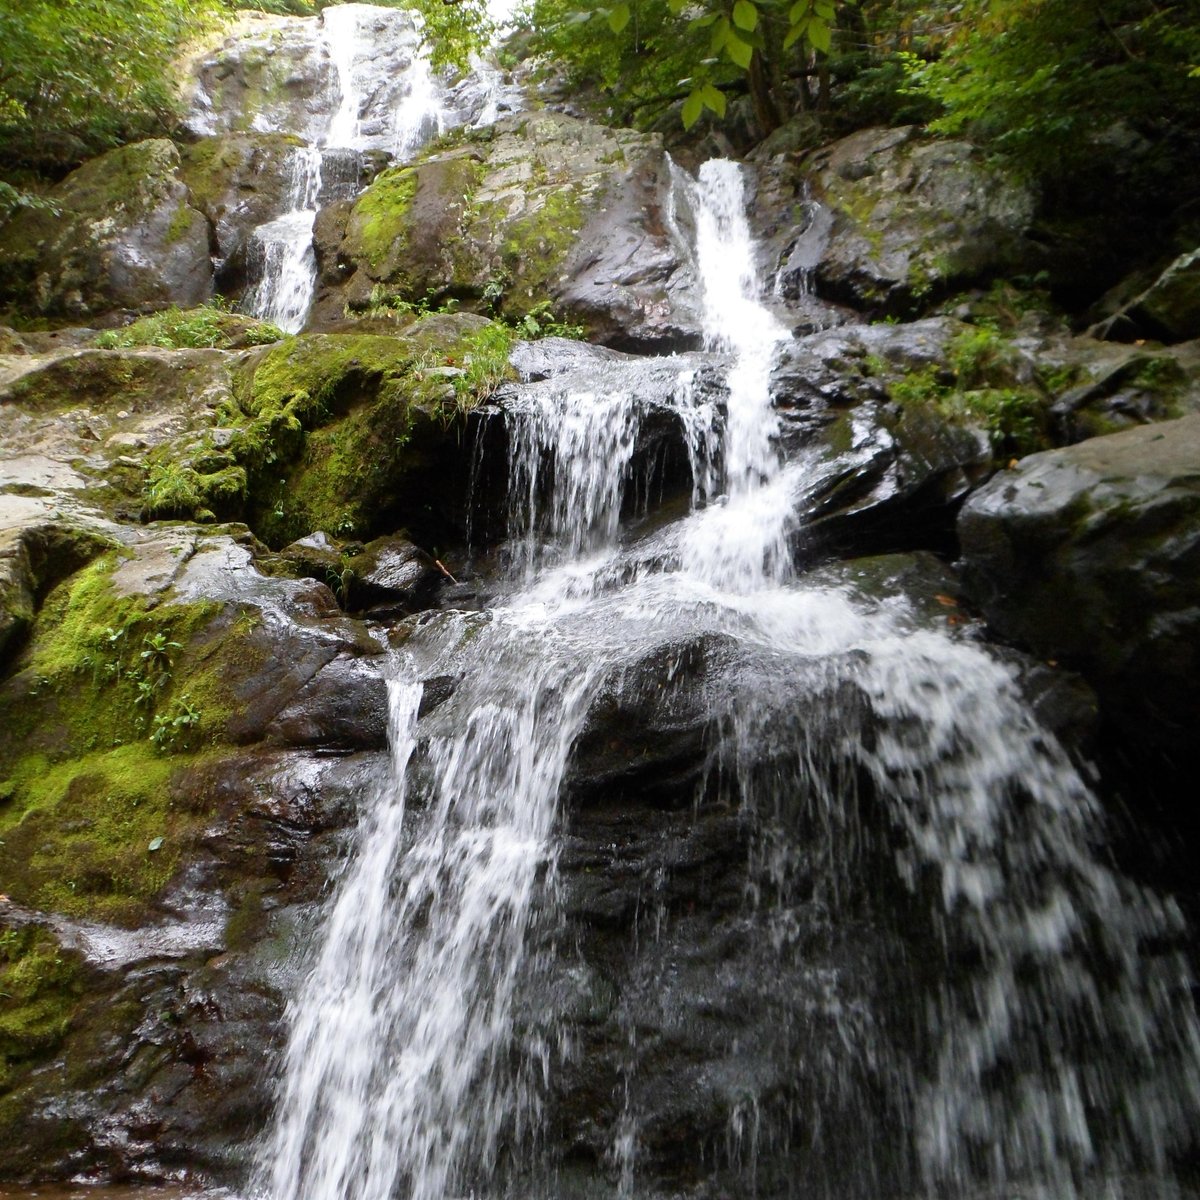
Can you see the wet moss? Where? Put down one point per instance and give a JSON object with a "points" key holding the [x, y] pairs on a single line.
{"points": [[380, 220], [536, 246], [329, 420], [78, 834], [40, 987], [116, 697]]}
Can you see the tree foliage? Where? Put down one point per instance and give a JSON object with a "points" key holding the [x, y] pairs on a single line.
{"points": [[650, 54], [1055, 84], [78, 76]]}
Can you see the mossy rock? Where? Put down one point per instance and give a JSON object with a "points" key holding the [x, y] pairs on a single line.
{"points": [[239, 181], [530, 216], [125, 236], [40, 987], [357, 434], [913, 219]]}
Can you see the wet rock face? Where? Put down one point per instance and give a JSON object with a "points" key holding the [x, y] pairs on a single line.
{"points": [[238, 181], [128, 237], [1091, 554], [1168, 309], [537, 211], [910, 219]]}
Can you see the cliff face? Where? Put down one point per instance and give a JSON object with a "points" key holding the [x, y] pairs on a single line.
{"points": [[779, 880]]}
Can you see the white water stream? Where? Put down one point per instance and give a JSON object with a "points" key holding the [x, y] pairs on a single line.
{"points": [[1064, 1053]]}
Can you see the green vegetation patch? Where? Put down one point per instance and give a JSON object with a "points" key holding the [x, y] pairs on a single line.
{"points": [[381, 214], [93, 836], [207, 327], [114, 696], [977, 388], [329, 421], [40, 987], [535, 247]]}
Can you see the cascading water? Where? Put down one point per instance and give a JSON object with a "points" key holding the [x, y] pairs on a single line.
{"points": [[1047, 1042], [349, 32]]}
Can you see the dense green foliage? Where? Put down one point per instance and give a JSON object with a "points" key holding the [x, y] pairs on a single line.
{"points": [[79, 76], [1106, 91]]}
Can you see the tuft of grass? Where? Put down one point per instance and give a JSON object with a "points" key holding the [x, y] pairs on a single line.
{"points": [[206, 328]]}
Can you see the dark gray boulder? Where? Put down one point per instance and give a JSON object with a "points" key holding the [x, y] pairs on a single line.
{"points": [[125, 236], [910, 219], [1091, 555]]}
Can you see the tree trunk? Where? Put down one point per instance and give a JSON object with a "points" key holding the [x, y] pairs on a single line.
{"points": [[766, 113]]}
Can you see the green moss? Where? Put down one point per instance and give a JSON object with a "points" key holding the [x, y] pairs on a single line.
{"points": [[40, 987], [206, 327], [535, 247], [181, 222], [176, 489], [77, 837], [99, 667], [114, 697], [978, 389], [382, 216]]}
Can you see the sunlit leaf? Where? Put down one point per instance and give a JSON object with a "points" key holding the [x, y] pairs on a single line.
{"points": [[693, 106], [619, 17], [713, 98], [741, 52], [820, 35], [745, 15]]}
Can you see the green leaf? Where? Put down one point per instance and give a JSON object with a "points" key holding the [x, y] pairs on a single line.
{"points": [[741, 52], [795, 34], [677, 6], [693, 106], [721, 34], [618, 18], [800, 10], [156, 844], [824, 9], [745, 15], [820, 35], [713, 98]]}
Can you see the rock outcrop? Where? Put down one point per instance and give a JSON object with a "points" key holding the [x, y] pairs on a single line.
{"points": [[898, 221], [125, 235], [536, 212], [1091, 555]]}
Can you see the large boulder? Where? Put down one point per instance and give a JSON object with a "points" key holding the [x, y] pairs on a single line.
{"points": [[1091, 555], [910, 220], [539, 210], [1168, 309], [239, 181], [123, 235]]}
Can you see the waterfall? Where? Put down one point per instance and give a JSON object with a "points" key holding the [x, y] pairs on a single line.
{"points": [[1047, 1040], [288, 269], [381, 94]]}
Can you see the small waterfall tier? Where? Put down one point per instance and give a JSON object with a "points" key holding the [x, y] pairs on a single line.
{"points": [[930, 980], [352, 84]]}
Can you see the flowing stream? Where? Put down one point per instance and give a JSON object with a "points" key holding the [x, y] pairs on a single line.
{"points": [[1059, 1056]]}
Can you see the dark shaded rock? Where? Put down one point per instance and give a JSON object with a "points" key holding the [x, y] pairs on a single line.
{"points": [[911, 219], [128, 238], [1091, 555], [647, 726], [392, 571], [316, 556], [1168, 309], [343, 706]]}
